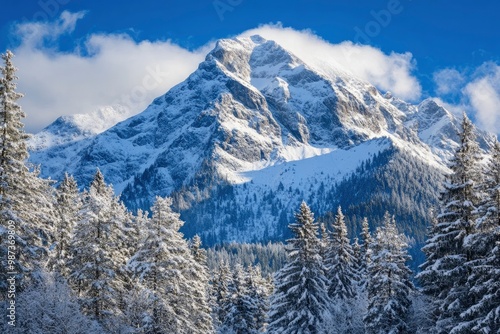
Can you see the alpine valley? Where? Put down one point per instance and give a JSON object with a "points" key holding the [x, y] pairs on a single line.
{"points": [[253, 132]]}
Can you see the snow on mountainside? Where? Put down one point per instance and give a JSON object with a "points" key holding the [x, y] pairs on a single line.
{"points": [[77, 127], [252, 121]]}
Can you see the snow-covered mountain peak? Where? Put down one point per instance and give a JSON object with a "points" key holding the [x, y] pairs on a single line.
{"points": [[77, 127], [435, 126], [429, 111], [251, 114], [249, 104]]}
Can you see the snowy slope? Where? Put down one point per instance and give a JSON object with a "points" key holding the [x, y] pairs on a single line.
{"points": [[77, 127], [253, 117]]}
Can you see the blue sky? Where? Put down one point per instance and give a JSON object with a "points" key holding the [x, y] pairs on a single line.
{"points": [[450, 50]]}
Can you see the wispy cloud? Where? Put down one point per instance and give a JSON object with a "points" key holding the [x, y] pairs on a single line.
{"points": [[388, 72], [42, 34], [448, 81], [105, 70], [484, 96], [477, 91]]}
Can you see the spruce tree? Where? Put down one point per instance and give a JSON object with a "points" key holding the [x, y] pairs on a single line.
{"points": [[365, 260], [260, 292], [165, 265], [324, 240], [444, 274], [200, 294], [356, 251], [429, 277], [300, 298], [483, 312], [249, 302], [365, 250], [99, 248], [138, 233], [341, 273], [67, 208], [221, 298], [25, 199], [199, 254], [136, 313], [51, 307], [240, 318], [389, 282], [340, 262]]}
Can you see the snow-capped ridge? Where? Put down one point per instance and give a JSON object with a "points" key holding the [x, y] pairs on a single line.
{"points": [[249, 114], [77, 127]]}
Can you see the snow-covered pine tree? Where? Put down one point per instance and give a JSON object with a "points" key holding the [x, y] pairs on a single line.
{"points": [[341, 272], [356, 252], [25, 199], [483, 313], [430, 277], [249, 302], [67, 214], [136, 314], [300, 298], [389, 282], [165, 266], [99, 249], [51, 307], [151, 267], [360, 302], [365, 253], [137, 233], [240, 318], [340, 262], [444, 274], [364, 262], [199, 254], [199, 276], [493, 186], [221, 295], [260, 292], [324, 240]]}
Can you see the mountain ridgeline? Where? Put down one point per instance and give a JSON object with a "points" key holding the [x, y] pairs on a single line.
{"points": [[253, 132]]}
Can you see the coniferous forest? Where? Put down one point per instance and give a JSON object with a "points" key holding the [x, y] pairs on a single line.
{"points": [[79, 262]]}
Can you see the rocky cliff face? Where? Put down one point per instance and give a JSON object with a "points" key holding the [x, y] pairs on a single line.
{"points": [[253, 131]]}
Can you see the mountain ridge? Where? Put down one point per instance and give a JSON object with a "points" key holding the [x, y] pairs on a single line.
{"points": [[241, 121]]}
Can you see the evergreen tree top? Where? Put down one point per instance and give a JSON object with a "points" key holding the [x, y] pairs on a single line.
{"points": [[98, 183], [9, 72], [304, 215], [340, 228]]}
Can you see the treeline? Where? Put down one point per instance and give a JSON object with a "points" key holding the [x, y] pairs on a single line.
{"points": [[270, 257], [391, 180]]}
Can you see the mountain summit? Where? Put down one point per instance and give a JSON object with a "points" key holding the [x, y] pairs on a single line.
{"points": [[255, 130]]}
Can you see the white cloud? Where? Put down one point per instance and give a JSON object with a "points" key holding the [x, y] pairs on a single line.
{"points": [[113, 69], [39, 34], [483, 94], [388, 72], [448, 81]]}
